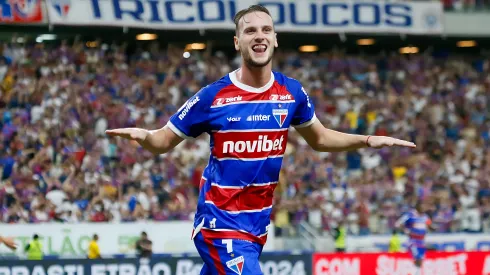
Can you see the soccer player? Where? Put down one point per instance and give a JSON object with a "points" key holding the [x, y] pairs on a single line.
{"points": [[247, 114], [416, 222]]}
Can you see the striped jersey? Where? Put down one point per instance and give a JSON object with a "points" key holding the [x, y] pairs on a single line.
{"points": [[248, 130], [416, 224]]}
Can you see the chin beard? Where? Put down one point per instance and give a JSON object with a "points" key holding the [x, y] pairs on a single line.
{"points": [[249, 62]]}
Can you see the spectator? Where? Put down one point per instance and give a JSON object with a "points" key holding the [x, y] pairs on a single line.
{"points": [[339, 235], [144, 246], [34, 249], [57, 166], [93, 251], [395, 242]]}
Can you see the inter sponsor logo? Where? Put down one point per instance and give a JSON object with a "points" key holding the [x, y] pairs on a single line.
{"points": [[258, 118]]}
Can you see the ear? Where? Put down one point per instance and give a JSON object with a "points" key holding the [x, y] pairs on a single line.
{"points": [[235, 40], [275, 43]]}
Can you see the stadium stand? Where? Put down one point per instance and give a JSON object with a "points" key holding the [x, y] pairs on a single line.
{"points": [[58, 166], [412, 69]]}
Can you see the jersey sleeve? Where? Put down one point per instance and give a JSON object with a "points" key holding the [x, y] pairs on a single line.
{"points": [[403, 220], [191, 120], [304, 114]]}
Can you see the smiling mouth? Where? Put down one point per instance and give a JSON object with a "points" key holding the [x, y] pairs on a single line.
{"points": [[259, 48]]}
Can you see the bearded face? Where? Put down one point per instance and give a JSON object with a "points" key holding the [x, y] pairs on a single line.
{"points": [[256, 39]]}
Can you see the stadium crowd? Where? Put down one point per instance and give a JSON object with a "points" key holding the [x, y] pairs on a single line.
{"points": [[465, 5], [57, 165]]}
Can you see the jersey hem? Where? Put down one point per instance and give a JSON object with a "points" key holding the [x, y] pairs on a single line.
{"points": [[306, 124], [177, 131]]}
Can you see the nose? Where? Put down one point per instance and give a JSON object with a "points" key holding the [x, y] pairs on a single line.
{"points": [[259, 37]]}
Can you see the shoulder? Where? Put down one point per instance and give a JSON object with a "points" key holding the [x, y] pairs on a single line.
{"points": [[210, 91], [409, 214], [292, 84], [207, 94]]}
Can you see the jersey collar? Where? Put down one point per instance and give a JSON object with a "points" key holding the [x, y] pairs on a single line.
{"points": [[251, 89]]}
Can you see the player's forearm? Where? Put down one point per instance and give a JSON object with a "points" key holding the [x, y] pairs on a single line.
{"points": [[334, 141], [156, 142]]}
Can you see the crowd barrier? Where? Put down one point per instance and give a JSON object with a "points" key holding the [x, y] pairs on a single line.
{"points": [[436, 263], [71, 240]]}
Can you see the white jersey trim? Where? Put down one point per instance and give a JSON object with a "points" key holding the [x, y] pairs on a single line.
{"points": [[251, 130], [241, 187], [241, 211], [253, 102], [306, 124], [233, 230], [250, 159], [177, 131], [247, 88]]}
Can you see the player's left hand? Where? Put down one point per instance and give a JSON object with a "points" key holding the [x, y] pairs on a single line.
{"points": [[9, 242], [382, 141]]}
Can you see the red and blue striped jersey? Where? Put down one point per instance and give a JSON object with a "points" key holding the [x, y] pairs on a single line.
{"points": [[416, 224], [248, 130]]}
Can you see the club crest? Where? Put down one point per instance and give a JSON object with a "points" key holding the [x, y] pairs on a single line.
{"points": [[280, 115], [236, 264]]}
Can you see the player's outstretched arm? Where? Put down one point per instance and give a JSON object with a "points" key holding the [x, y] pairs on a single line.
{"points": [[9, 242], [326, 140], [156, 141]]}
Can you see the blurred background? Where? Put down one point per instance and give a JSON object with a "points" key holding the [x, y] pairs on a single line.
{"points": [[69, 70]]}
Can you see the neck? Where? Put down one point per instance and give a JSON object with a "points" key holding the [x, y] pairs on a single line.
{"points": [[256, 77]]}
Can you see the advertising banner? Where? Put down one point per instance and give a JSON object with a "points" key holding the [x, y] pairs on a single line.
{"points": [[435, 263], [21, 12], [270, 264], [321, 16], [442, 242], [72, 239]]}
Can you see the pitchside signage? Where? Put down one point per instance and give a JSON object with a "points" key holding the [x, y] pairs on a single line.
{"points": [[442, 263], [441, 242], [71, 240], [270, 264], [289, 15]]}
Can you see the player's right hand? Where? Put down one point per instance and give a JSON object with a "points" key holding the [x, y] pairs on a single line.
{"points": [[9, 242], [136, 134]]}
